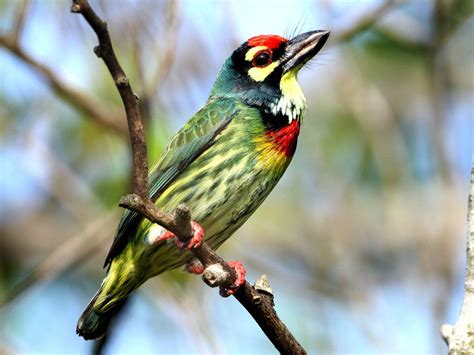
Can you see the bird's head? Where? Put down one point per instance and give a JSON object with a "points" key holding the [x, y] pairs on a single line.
{"points": [[263, 73]]}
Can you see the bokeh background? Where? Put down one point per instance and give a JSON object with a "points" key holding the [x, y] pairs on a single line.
{"points": [[363, 239]]}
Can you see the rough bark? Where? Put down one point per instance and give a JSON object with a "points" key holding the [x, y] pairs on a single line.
{"points": [[460, 336], [258, 299]]}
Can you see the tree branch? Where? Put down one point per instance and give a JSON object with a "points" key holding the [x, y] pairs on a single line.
{"points": [[69, 254], [460, 337], [258, 300], [74, 97], [21, 13], [364, 23], [105, 51]]}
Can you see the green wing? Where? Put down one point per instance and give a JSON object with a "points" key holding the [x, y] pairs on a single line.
{"points": [[199, 133]]}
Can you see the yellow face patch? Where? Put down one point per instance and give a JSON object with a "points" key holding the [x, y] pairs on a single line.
{"points": [[260, 73], [251, 53]]}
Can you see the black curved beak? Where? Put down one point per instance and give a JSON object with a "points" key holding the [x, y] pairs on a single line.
{"points": [[302, 48]]}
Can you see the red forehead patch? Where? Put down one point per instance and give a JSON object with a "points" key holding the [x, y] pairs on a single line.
{"points": [[270, 41]]}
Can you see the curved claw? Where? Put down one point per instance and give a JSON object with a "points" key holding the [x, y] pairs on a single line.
{"points": [[239, 281], [195, 241]]}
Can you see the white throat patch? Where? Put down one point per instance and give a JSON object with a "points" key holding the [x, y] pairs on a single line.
{"points": [[292, 102]]}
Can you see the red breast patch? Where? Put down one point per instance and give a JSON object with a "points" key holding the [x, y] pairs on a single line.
{"points": [[270, 41], [285, 138]]}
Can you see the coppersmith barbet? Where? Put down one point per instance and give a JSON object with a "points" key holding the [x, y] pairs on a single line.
{"points": [[222, 164]]}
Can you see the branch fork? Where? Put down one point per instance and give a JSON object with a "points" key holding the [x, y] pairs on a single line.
{"points": [[258, 300]]}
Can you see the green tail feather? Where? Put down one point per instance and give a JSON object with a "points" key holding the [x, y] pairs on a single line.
{"points": [[104, 306], [94, 325]]}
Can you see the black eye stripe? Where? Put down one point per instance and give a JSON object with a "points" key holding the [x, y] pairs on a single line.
{"points": [[242, 65]]}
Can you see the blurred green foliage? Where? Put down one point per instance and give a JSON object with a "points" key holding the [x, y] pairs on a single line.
{"points": [[366, 228]]}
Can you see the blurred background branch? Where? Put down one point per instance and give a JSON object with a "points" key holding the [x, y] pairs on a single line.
{"points": [[365, 22], [66, 256], [380, 170], [460, 337], [21, 13], [77, 99]]}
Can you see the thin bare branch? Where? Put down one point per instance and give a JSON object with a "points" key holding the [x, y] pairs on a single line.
{"points": [[66, 256], [258, 302], [364, 23], [21, 15], [77, 99], [460, 337], [105, 51]]}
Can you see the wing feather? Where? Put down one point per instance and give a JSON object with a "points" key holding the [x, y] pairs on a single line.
{"points": [[190, 142]]}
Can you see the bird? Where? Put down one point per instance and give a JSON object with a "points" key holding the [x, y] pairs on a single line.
{"points": [[221, 164]]}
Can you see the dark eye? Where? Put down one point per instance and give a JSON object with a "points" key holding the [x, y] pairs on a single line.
{"points": [[262, 59]]}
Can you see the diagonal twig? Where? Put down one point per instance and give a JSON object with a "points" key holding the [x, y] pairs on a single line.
{"points": [[21, 13], [365, 22], [74, 97], [69, 254], [105, 51], [258, 300]]}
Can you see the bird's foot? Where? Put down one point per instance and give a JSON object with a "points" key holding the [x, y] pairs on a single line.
{"points": [[194, 242], [239, 281]]}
